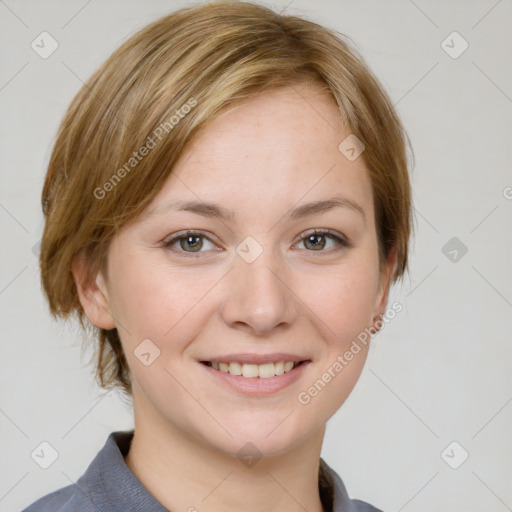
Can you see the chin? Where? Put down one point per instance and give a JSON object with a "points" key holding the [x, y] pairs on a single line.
{"points": [[272, 438]]}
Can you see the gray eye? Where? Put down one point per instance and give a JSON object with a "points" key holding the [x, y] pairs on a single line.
{"points": [[193, 242]]}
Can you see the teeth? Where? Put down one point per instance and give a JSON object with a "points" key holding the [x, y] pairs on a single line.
{"points": [[235, 368], [288, 366], [279, 368], [250, 370], [266, 370], [263, 371]]}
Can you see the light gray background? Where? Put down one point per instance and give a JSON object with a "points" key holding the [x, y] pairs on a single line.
{"points": [[440, 372]]}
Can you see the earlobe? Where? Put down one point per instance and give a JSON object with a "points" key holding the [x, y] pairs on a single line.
{"points": [[385, 276], [385, 282], [93, 295]]}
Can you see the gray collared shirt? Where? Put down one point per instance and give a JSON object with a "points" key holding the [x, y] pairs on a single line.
{"points": [[108, 485]]}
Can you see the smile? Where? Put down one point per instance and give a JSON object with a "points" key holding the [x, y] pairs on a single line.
{"points": [[255, 375], [262, 371]]}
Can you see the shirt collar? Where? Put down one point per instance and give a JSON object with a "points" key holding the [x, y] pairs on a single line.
{"points": [[110, 483], [340, 499]]}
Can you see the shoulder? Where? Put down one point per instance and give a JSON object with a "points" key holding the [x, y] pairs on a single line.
{"points": [[104, 482], [362, 506], [335, 494], [66, 499]]}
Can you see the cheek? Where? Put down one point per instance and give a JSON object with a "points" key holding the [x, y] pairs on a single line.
{"points": [[156, 301], [351, 303], [340, 301], [168, 306], [342, 306]]}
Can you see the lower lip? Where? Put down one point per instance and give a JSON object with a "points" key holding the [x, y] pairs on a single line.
{"points": [[256, 386]]}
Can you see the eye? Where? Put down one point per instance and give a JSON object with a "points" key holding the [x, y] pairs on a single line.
{"points": [[189, 242], [317, 240]]}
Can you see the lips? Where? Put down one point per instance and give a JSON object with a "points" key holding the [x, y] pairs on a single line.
{"points": [[255, 380]]}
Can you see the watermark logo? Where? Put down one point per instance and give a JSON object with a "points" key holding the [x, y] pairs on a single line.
{"points": [[44, 45], [249, 249], [146, 352], [454, 455], [351, 147], [44, 455], [454, 249], [454, 45], [249, 454], [36, 248]]}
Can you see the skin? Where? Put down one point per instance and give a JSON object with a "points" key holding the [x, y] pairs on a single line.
{"points": [[260, 160]]}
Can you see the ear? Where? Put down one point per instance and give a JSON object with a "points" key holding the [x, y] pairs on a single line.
{"points": [[93, 295], [385, 276]]}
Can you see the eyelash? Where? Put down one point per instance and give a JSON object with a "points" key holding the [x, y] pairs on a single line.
{"points": [[341, 242]]}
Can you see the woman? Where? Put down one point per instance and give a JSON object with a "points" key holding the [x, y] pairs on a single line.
{"points": [[227, 204]]}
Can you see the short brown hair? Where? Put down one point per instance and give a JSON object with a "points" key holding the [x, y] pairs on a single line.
{"points": [[207, 57]]}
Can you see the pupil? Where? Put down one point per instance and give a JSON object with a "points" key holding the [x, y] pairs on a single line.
{"points": [[192, 245], [316, 244]]}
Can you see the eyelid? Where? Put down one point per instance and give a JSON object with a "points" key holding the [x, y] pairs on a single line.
{"points": [[326, 232], [187, 232]]}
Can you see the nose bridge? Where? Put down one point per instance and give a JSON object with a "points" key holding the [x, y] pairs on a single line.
{"points": [[257, 295]]}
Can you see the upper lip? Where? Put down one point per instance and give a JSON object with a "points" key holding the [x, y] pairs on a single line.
{"points": [[257, 358]]}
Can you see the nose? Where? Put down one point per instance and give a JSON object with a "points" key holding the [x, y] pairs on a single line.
{"points": [[258, 297]]}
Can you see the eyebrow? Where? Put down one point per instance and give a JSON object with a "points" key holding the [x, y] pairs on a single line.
{"points": [[299, 212]]}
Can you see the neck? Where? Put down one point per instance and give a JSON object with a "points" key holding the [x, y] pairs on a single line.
{"points": [[184, 473]]}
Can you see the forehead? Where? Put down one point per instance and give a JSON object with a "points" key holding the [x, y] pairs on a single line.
{"points": [[278, 148]]}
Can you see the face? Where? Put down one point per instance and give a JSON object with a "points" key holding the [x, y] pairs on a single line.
{"points": [[229, 265]]}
